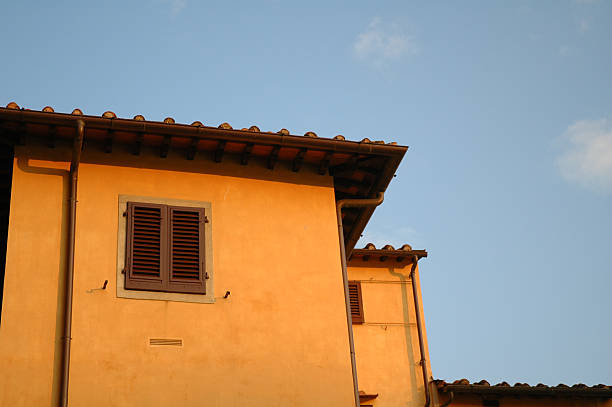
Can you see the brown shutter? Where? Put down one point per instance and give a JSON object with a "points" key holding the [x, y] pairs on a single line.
{"points": [[355, 301], [146, 246], [186, 259]]}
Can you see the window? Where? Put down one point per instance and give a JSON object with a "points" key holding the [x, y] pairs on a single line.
{"points": [[356, 302], [164, 249]]}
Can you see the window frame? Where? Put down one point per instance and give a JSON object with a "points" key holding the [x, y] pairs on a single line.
{"points": [[206, 241]]}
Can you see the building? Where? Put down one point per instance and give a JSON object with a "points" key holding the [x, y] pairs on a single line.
{"points": [[152, 263]]}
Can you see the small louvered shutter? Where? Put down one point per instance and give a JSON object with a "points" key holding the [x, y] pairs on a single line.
{"points": [[146, 247], [186, 240], [355, 302]]}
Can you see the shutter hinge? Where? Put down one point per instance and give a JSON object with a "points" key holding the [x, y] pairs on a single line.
{"points": [[205, 219], [124, 214], [206, 277]]}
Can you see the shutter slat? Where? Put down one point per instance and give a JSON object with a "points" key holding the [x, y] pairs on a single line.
{"points": [[186, 249], [145, 240], [356, 304]]}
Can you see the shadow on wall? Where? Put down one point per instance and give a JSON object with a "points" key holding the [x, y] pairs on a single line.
{"points": [[407, 326]]}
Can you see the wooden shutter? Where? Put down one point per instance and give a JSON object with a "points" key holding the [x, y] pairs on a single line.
{"points": [[146, 247], [356, 302], [186, 260]]}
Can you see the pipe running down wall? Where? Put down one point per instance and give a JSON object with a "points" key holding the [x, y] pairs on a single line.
{"points": [[353, 203], [417, 310], [74, 171]]}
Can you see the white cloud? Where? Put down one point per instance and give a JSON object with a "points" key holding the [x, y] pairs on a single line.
{"points": [[587, 159], [383, 42], [584, 25]]}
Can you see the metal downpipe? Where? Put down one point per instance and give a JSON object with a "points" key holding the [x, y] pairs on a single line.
{"points": [[354, 203], [417, 310], [450, 400], [74, 171]]}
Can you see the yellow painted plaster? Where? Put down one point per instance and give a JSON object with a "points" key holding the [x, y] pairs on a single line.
{"points": [[387, 344], [279, 339]]}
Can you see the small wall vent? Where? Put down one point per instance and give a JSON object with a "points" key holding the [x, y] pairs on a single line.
{"points": [[165, 342]]}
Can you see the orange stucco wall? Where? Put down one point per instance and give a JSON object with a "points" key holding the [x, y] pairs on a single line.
{"points": [[387, 344], [279, 339]]}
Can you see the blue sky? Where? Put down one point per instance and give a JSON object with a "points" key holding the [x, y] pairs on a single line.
{"points": [[506, 107]]}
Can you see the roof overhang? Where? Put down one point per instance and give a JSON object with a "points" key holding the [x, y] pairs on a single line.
{"points": [[376, 257], [523, 389], [359, 169]]}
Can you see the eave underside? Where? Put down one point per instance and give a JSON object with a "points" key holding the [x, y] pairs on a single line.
{"points": [[359, 170]]}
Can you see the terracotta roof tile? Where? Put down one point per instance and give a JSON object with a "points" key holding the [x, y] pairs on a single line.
{"points": [[503, 384], [483, 387], [111, 115], [403, 254], [342, 159]]}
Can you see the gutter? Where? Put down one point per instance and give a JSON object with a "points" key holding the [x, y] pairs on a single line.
{"points": [[351, 203], [74, 171], [417, 310]]}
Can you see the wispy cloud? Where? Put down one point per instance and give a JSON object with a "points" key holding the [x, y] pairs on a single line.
{"points": [[587, 159], [584, 25], [382, 42], [564, 50], [176, 6]]}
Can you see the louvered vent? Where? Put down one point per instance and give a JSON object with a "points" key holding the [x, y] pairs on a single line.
{"points": [[165, 342], [146, 252], [355, 302], [185, 245]]}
